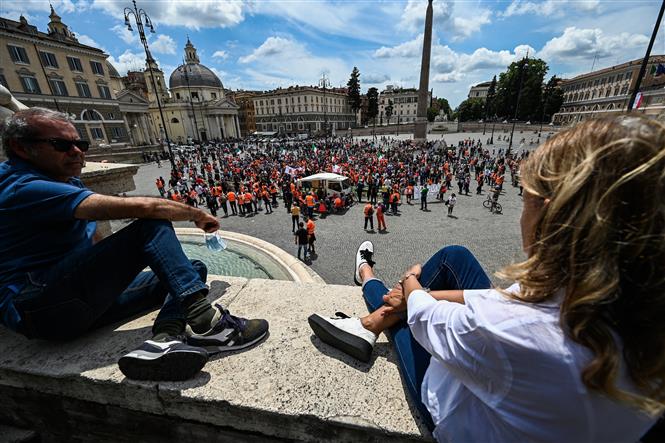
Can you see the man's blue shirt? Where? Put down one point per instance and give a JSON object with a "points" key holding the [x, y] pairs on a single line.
{"points": [[37, 227]]}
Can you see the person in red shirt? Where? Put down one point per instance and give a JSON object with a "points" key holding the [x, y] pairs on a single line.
{"points": [[381, 220], [368, 210]]}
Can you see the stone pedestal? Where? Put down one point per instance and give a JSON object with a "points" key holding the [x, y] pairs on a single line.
{"points": [[109, 179]]}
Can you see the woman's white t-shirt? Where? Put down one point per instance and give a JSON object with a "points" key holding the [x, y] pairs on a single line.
{"points": [[503, 371]]}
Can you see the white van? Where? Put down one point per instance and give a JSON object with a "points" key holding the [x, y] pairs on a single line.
{"points": [[329, 182]]}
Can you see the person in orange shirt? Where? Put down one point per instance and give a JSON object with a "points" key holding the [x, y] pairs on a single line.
{"points": [[310, 201], [394, 201], [311, 237], [368, 210], [409, 194], [380, 219], [241, 203], [231, 196], [248, 203]]}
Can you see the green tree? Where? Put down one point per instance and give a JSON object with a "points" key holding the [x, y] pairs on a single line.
{"points": [[443, 105], [552, 98], [471, 109], [490, 108], [530, 74], [353, 86], [389, 110], [431, 114], [372, 103]]}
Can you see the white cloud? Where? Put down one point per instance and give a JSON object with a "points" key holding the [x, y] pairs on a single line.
{"points": [[413, 16], [575, 44], [549, 7], [128, 61], [410, 49], [12, 9], [452, 77], [125, 34], [464, 27], [164, 44], [274, 46], [189, 14], [84, 39], [220, 54]]}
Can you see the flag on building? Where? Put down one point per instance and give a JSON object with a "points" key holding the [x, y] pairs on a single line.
{"points": [[638, 100], [657, 70]]}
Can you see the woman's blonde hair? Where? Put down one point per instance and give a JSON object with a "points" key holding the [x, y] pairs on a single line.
{"points": [[601, 239]]}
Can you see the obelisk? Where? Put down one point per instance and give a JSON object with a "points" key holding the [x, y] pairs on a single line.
{"points": [[420, 133]]}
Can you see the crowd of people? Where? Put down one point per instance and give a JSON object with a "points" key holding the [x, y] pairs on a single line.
{"points": [[244, 178]]}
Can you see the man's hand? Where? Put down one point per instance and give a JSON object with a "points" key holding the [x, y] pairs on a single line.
{"points": [[395, 300], [207, 222]]}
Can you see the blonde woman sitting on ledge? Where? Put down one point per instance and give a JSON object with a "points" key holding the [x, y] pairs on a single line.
{"points": [[574, 351]]}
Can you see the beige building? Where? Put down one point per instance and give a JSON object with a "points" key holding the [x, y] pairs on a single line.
{"points": [[195, 105], [480, 90], [607, 92], [404, 105], [53, 70], [303, 109], [246, 111]]}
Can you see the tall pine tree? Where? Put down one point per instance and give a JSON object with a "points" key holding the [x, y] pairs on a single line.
{"points": [[372, 103], [354, 90]]}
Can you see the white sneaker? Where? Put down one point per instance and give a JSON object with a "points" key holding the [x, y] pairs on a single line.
{"points": [[363, 255], [344, 333]]}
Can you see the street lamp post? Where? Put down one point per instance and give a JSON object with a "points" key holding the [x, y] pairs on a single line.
{"points": [[517, 105], [492, 136], [140, 16], [325, 83]]}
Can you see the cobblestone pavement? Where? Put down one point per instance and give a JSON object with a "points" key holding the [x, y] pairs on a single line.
{"points": [[412, 236]]}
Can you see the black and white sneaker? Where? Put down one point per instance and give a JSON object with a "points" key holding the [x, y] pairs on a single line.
{"points": [[363, 255], [229, 333], [165, 360], [344, 333]]}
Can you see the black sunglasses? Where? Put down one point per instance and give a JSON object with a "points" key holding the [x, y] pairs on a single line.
{"points": [[63, 145]]}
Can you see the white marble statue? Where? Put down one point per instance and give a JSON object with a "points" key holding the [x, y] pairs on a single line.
{"points": [[8, 103]]}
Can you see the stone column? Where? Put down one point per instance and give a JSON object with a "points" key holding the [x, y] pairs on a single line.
{"points": [[220, 125], [237, 122], [423, 90], [129, 129]]}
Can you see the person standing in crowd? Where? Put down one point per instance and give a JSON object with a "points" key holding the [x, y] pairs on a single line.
{"points": [[359, 191], [409, 193], [266, 201], [380, 219], [394, 202], [231, 196], [451, 202], [480, 180], [241, 203], [288, 198], [160, 186], [311, 235], [310, 201], [301, 240], [423, 197], [222, 202], [211, 203], [368, 211]]}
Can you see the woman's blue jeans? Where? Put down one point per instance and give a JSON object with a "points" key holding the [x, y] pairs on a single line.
{"points": [[453, 267], [103, 284]]}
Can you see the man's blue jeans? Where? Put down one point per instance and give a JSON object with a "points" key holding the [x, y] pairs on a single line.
{"points": [[103, 284], [453, 267]]}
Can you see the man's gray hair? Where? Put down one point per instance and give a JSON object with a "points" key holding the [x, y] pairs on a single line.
{"points": [[21, 125]]}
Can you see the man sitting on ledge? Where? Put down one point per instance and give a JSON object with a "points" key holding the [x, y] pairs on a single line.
{"points": [[59, 280]]}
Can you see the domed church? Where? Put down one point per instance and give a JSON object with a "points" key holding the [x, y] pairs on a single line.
{"points": [[195, 106]]}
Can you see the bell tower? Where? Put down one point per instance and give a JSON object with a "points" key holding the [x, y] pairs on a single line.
{"points": [[57, 29], [190, 53], [162, 90]]}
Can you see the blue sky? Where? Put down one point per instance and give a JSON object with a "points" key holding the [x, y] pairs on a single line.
{"points": [[263, 44]]}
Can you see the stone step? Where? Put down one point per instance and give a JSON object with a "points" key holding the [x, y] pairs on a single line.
{"points": [[292, 387]]}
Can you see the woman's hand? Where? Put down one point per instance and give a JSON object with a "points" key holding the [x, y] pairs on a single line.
{"points": [[395, 300]]}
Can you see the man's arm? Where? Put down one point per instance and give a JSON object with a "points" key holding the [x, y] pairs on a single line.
{"points": [[105, 207]]}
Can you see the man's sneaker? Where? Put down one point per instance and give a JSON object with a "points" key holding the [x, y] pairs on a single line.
{"points": [[344, 333], [169, 359], [229, 333], [363, 255]]}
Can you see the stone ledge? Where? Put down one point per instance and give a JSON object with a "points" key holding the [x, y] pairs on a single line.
{"points": [[291, 387]]}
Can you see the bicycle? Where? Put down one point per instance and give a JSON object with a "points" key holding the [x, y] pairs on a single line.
{"points": [[492, 205]]}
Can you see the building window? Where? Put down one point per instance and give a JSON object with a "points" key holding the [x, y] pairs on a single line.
{"points": [[58, 87], [30, 85], [177, 95], [213, 95], [89, 114], [48, 59], [97, 133], [175, 120], [18, 54], [629, 75], [117, 132], [195, 95], [104, 92], [74, 64], [96, 67], [83, 89], [3, 81]]}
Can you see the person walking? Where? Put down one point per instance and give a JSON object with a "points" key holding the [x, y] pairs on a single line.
{"points": [[310, 201], [451, 202], [295, 216], [369, 215], [301, 240]]}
